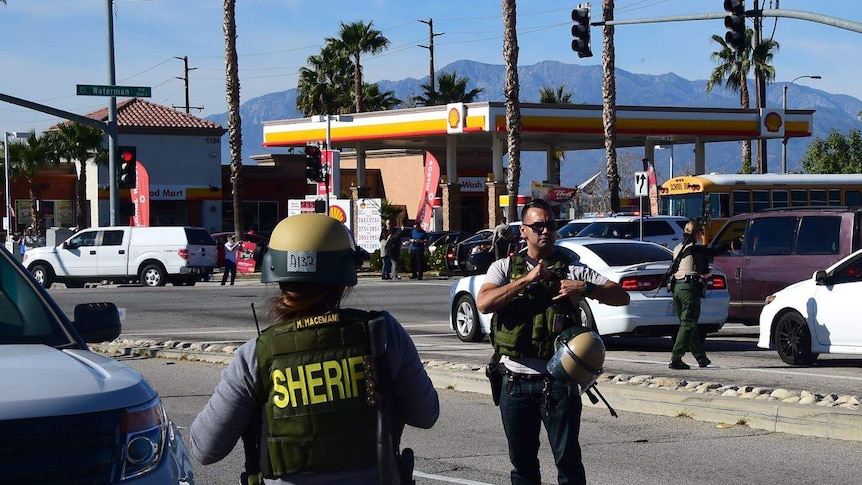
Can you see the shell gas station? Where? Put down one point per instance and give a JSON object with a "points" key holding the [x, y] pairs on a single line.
{"points": [[383, 154]]}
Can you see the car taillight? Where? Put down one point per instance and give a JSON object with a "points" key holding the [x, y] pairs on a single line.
{"points": [[640, 283], [144, 431], [184, 253], [717, 283], [450, 254]]}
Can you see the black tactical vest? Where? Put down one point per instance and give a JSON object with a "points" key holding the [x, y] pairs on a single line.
{"points": [[529, 324], [320, 409]]}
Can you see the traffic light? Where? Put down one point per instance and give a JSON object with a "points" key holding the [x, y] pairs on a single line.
{"points": [[320, 206], [313, 170], [581, 30], [734, 21], [127, 158]]}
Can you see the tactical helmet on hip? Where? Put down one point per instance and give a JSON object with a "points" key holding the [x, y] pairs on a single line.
{"points": [[311, 248], [579, 357]]}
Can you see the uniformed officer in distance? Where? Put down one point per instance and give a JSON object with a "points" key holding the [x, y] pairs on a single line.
{"points": [[534, 296], [689, 282], [306, 396]]}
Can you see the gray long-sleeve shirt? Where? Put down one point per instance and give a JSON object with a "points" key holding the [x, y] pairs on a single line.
{"points": [[219, 426]]}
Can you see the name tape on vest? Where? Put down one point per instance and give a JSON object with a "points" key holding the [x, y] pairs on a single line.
{"points": [[317, 320]]}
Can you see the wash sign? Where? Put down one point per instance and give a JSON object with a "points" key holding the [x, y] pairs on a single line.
{"points": [[472, 184]]}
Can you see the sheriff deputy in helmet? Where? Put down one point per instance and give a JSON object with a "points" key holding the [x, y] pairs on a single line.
{"points": [[534, 296], [307, 396]]}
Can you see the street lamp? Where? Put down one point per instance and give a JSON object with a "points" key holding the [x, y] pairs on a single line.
{"points": [[659, 147], [784, 107], [8, 199]]}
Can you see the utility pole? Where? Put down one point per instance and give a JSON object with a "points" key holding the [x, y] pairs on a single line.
{"points": [[185, 79], [430, 48]]}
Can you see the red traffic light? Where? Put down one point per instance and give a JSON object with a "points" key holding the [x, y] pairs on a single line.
{"points": [[127, 156]]}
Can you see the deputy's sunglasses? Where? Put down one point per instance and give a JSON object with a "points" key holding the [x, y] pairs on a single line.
{"points": [[539, 227]]}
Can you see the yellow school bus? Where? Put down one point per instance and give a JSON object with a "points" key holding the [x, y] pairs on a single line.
{"points": [[713, 198]]}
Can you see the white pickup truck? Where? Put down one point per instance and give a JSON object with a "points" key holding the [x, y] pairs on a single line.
{"points": [[152, 256]]}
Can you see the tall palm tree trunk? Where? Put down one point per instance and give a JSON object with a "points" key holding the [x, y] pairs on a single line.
{"points": [[234, 122], [746, 144], [357, 83], [513, 107], [81, 213], [609, 105], [36, 214]]}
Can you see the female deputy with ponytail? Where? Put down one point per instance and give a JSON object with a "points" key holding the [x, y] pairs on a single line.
{"points": [[322, 395]]}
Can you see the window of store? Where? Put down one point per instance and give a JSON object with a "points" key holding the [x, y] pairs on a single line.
{"points": [[261, 216]]}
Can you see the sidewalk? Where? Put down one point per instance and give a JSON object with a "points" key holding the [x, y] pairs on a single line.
{"points": [[776, 410]]}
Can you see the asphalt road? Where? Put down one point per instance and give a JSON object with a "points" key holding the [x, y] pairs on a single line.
{"points": [[212, 313], [467, 445]]}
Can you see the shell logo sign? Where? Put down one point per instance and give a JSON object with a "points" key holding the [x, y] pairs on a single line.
{"points": [[337, 213], [455, 118], [771, 123]]}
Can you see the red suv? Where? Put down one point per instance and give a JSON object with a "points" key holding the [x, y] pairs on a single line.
{"points": [[766, 251]]}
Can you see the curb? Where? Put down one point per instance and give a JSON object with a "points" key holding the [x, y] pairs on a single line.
{"points": [[798, 419], [637, 394]]}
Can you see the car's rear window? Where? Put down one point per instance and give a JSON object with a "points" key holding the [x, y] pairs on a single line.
{"points": [[626, 254], [618, 230], [199, 237]]}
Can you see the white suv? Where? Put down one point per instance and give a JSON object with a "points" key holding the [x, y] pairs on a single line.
{"points": [[664, 230]]}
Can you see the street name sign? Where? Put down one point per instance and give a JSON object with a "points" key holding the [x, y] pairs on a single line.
{"points": [[121, 91]]}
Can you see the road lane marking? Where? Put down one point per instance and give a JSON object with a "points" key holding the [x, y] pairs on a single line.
{"points": [[441, 478]]}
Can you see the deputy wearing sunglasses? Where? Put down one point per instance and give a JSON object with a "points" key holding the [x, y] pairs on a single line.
{"points": [[534, 297]]}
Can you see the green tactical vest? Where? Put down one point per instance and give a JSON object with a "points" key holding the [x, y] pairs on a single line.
{"points": [[320, 412], [529, 324]]}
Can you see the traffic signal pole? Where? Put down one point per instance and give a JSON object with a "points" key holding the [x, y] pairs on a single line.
{"points": [[114, 194], [793, 14]]}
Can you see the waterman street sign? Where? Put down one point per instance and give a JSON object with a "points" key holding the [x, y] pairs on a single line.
{"points": [[120, 91]]}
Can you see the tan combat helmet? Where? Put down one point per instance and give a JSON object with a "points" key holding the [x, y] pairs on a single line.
{"points": [[579, 357], [312, 248]]}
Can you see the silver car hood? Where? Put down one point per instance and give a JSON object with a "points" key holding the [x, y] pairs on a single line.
{"points": [[39, 380]]}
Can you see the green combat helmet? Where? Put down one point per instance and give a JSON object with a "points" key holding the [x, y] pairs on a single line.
{"points": [[310, 248]]}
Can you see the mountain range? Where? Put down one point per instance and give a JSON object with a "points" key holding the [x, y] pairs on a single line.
{"points": [[836, 111]]}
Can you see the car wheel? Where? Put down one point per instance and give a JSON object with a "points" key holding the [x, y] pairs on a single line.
{"points": [[153, 275], [587, 318], [793, 340], [43, 274], [467, 320]]}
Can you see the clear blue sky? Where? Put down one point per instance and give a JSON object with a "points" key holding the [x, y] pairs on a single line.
{"points": [[50, 45]]}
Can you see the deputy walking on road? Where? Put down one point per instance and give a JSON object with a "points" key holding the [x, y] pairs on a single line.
{"points": [[534, 297], [322, 395], [688, 284]]}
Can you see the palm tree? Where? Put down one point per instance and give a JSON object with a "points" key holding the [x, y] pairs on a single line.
{"points": [[609, 104], [27, 159], [234, 122], [559, 95], [359, 38], [75, 142], [450, 89], [324, 86], [374, 100], [513, 107], [732, 70], [555, 96]]}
